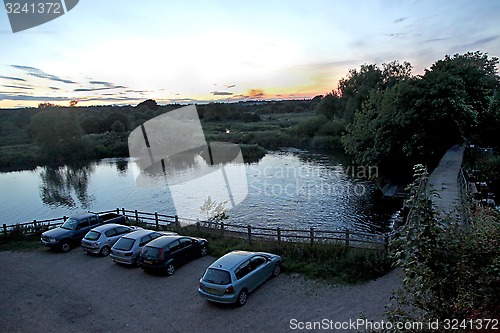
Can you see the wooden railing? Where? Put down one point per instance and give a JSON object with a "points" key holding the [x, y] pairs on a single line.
{"points": [[161, 221]]}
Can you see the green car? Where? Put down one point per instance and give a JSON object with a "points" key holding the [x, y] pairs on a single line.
{"points": [[233, 276]]}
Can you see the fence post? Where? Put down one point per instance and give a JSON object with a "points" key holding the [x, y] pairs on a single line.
{"points": [[34, 226], [5, 229], [278, 234], [346, 237], [249, 232], [156, 220], [386, 242], [311, 235], [123, 211], [118, 211], [198, 225], [136, 217], [222, 228], [65, 218], [177, 224]]}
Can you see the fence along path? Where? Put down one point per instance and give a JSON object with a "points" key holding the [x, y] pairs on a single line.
{"points": [[160, 221]]}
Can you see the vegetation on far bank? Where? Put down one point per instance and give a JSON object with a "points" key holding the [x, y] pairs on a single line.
{"points": [[380, 115]]}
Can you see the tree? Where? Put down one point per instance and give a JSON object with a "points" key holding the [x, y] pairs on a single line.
{"points": [[57, 134], [450, 270], [118, 127]]}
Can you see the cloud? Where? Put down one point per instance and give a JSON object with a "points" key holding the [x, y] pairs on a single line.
{"points": [[399, 20], [54, 88], [230, 86], [221, 93], [18, 87], [12, 78], [32, 71], [255, 93], [479, 43]]}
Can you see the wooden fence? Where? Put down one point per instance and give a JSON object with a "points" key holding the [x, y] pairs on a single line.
{"points": [[159, 221]]}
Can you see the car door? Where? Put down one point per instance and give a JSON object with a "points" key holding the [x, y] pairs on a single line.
{"points": [[111, 236], [258, 273], [175, 252], [81, 229], [188, 249]]}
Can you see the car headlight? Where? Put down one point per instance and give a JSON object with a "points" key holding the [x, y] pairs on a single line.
{"points": [[52, 240]]}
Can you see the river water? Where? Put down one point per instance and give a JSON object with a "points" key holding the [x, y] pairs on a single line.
{"points": [[286, 188]]}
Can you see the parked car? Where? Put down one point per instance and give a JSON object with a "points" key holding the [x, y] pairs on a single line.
{"points": [[233, 276], [75, 227], [127, 249], [166, 253], [100, 239]]}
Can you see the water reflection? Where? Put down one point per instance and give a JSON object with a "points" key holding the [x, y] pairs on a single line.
{"points": [[66, 186]]}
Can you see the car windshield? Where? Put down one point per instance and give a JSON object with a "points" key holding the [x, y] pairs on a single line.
{"points": [[124, 244], [70, 224], [93, 235], [217, 276]]}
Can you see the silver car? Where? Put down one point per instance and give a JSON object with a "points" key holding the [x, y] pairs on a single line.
{"points": [[127, 249], [233, 276], [99, 240]]}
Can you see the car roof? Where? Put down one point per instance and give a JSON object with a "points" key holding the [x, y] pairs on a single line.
{"points": [[164, 240], [108, 226], [232, 259], [139, 233], [82, 216]]}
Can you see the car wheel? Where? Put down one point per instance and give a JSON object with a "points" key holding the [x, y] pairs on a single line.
{"points": [[65, 246], [105, 251], [204, 251], [170, 269], [276, 269], [242, 298]]}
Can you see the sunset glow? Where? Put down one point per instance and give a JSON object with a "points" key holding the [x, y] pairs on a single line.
{"points": [[117, 52]]}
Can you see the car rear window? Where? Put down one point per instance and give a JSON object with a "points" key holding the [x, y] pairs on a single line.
{"points": [[217, 276], [151, 252], [93, 235], [124, 244]]}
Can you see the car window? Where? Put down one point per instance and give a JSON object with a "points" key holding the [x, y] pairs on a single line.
{"points": [[93, 220], [93, 235], [256, 262], [110, 232], [122, 230], [242, 270], [83, 224], [145, 240], [151, 252], [185, 242], [124, 244], [217, 276], [155, 235], [174, 246]]}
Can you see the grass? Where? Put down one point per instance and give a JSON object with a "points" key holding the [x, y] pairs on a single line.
{"points": [[22, 243], [330, 262]]}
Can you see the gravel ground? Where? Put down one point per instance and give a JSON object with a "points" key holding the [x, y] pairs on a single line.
{"points": [[73, 292]]}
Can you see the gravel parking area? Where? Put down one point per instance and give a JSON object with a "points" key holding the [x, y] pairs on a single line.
{"points": [[73, 292]]}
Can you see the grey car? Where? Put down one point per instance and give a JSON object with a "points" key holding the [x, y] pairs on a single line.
{"points": [[127, 249], [233, 276], [99, 240]]}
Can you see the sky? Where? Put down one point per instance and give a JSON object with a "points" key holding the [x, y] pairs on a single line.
{"points": [[122, 52]]}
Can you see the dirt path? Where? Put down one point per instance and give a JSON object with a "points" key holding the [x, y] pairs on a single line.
{"points": [[73, 292]]}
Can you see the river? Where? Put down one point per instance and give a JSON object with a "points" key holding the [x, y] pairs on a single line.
{"points": [[287, 188]]}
